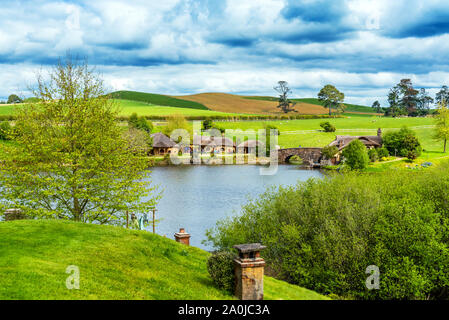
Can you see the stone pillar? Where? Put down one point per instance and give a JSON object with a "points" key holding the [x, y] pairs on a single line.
{"points": [[14, 214], [249, 271], [182, 237]]}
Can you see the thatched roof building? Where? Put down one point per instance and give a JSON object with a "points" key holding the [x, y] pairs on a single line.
{"points": [[342, 142], [160, 140]]}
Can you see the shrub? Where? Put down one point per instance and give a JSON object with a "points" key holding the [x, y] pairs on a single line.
{"points": [[383, 152], [356, 156], [327, 126], [373, 155], [140, 123], [322, 234], [402, 143], [329, 151], [207, 124], [220, 266], [5, 130]]}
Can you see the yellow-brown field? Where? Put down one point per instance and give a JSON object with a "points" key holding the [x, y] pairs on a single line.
{"points": [[225, 102]]}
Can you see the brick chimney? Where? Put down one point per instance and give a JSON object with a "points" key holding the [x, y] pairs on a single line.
{"points": [[379, 132], [249, 271], [182, 237]]}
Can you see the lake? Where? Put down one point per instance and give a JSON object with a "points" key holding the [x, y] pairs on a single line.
{"points": [[195, 197]]}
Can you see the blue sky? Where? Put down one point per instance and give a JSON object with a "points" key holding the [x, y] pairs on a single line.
{"points": [[238, 46]]}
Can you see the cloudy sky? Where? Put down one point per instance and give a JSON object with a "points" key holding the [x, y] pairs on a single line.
{"points": [[237, 46]]}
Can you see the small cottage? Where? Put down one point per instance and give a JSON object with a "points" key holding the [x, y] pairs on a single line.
{"points": [[250, 146], [214, 144], [163, 145]]}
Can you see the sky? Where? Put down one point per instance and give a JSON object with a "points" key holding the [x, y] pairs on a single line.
{"points": [[181, 47]]}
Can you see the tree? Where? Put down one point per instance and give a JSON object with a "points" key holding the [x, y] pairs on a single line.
{"points": [[376, 106], [284, 103], [332, 98], [402, 143], [207, 124], [327, 126], [356, 156], [442, 123], [424, 102], [394, 100], [442, 95], [14, 99], [71, 161], [140, 123]]}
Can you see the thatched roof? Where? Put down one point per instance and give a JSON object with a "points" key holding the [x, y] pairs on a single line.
{"points": [[251, 144], [160, 140], [342, 142], [212, 141]]}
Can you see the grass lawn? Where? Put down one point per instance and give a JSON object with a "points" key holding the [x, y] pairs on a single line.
{"points": [[114, 263], [144, 109]]}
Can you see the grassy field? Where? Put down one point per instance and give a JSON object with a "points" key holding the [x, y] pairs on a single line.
{"points": [[114, 263], [6, 109], [157, 99], [144, 109]]}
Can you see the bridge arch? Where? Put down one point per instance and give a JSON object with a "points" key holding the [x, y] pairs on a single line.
{"points": [[307, 154]]}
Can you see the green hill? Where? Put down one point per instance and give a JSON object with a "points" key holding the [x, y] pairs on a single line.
{"points": [[157, 99], [114, 263], [349, 107]]}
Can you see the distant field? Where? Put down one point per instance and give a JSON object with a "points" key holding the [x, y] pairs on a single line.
{"points": [[224, 102], [315, 101], [157, 99], [6, 109], [144, 109]]}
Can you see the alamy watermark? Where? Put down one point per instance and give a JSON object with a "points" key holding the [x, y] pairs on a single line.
{"points": [[73, 280], [373, 281]]}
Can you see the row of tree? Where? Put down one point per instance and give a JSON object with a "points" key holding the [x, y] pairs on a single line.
{"points": [[405, 100], [13, 98]]}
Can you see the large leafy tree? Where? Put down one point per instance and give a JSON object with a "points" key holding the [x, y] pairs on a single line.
{"points": [[14, 99], [424, 102], [442, 123], [284, 102], [442, 95], [376, 106], [70, 160], [332, 98]]}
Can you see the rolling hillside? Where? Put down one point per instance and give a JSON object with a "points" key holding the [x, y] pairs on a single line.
{"points": [[114, 263], [156, 99], [225, 102]]}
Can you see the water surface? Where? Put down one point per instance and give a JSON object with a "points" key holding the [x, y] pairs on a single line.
{"points": [[195, 197]]}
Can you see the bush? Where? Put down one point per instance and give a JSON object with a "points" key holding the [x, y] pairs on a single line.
{"points": [[140, 123], [383, 152], [402, 143], [322, 234], [220, 266], [329, 151], [327, 126], [5, 130], [356, 156], [373, 155], [207, 124]]}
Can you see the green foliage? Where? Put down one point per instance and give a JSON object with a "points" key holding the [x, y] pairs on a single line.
{"points": [[402, 143], [329, 151], [70, 160], [220, 266], [373, 155], [5, 130], [331, 98], [208, 124], [139, 141], [356, 156], [327, 127], [14, 99], [140, 123], [323, 234], [157, 99], [176, 121], [442, 123], [382, 152]]}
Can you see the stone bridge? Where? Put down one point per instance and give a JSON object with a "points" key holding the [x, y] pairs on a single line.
{"points": [[307, 154]]}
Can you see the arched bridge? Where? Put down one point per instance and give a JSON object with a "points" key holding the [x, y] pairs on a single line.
{"points": [[307, 154]]}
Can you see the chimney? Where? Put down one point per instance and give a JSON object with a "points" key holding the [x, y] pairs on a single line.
{"points": [[249, 271], [379, 132], [182, 237]]}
